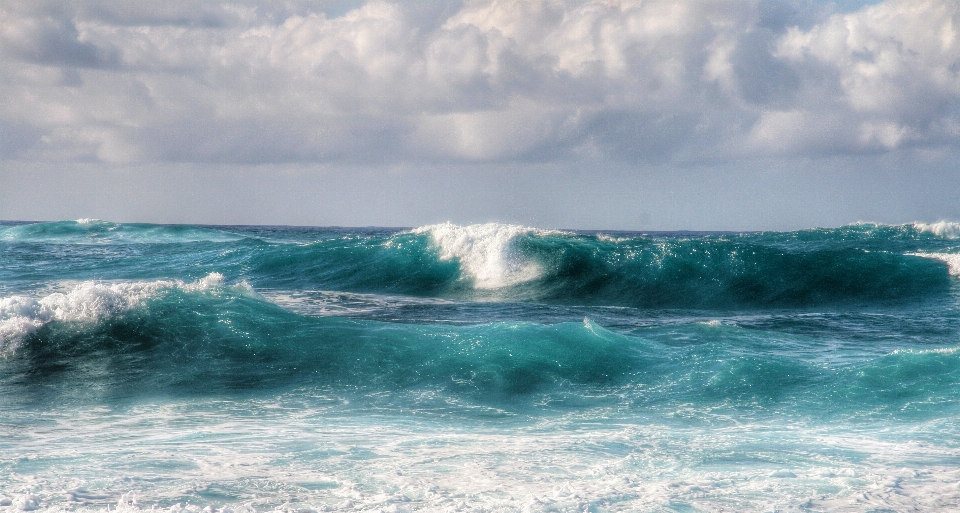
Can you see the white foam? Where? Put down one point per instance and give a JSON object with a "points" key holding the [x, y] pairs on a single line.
{"points": [[486, 252], [340, 304], [952, 260], [610, 238], [27, 502], [939, 350], [378, 463], [87, 302], [944, 229]]}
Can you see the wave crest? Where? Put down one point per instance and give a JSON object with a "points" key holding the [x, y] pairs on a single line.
{"points": [[486, 252], [945, 229], [88, 302], [951, 259]]}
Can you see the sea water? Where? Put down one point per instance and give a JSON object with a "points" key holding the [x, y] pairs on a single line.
{"points": [[478, 368]]}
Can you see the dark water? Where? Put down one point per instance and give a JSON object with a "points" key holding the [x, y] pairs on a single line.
{"points": [[479, 368]]}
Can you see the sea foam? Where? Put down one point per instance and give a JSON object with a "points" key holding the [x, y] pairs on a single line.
{"points": [[945, 229], [436, 467], [486, 252], [87, 302], [951, 259]]}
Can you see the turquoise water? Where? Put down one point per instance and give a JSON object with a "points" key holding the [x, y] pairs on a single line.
{"points": [[478, 368]]}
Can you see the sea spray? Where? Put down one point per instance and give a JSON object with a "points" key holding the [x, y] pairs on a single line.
{"points": [[487, 253]]}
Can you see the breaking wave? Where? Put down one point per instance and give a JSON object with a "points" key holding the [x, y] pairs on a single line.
{"points": [[486, 252], [200, 338], [944, 229], [951, 259], [857, 264], [506, 262], [88, 302]]}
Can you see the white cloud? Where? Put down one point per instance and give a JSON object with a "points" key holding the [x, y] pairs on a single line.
{"points": [[891, 71], [485, 80]]}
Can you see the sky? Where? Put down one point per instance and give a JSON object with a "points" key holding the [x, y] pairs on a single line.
{"points": [[612, 114]]}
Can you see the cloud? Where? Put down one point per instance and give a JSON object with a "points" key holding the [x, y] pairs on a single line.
{"points": [[474, 81], [889, 74]]}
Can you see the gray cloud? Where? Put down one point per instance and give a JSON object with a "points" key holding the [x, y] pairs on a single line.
{"points": [[475, 81], [54, 42]]}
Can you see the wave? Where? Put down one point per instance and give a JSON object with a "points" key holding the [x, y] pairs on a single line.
{"points": [[486, 252], [856, 264], [945, 229], [514, 263], [951, 259], [204, 337], [86, 303], [95, 231], [207, 338]]}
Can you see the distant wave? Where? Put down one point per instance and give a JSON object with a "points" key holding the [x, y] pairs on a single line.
{"points": [[942, 229], [514, 263], [780, 269], [486, 252], [856, 264], [95, 231], [946, 229]]}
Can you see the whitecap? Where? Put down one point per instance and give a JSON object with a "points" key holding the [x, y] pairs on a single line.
{"points": [[87, 302], [603, 237], [951, 259], [486, 252], [945, 229]]}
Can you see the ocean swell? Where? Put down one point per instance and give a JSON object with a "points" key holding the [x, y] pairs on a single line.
{"points": [[95, 231], [857, 264], [512, 263], [204, 338]]}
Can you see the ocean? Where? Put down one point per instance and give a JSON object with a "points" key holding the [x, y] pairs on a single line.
{"points": [[489, 367]]}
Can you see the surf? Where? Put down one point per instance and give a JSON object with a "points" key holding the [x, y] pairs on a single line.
{"points": [[490, 366], [126, 341], [505, 262]]}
